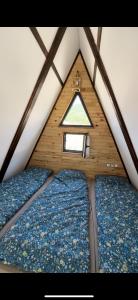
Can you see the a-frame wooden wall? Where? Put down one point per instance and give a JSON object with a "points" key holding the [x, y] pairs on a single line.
{"points": [[49, 149]]}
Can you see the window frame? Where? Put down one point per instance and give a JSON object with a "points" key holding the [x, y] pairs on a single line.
{"points": [[75, 151], [69, 107]]}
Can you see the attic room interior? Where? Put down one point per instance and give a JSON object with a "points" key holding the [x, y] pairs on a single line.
{"points": [[69, 149]]}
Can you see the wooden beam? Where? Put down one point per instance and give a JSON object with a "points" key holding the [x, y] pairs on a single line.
{"points": [[54, 105], [112, 95], [33, 98], [43, 48], [118, 151], [99, 34]]}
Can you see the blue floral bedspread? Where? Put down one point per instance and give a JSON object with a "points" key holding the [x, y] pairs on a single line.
{"points": [[52, 235], [117, 218], [15, 191]]}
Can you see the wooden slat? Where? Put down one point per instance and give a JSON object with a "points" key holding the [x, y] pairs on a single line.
{"points": [[33, 98], [112, 95], [43, 48], [49, 149]]}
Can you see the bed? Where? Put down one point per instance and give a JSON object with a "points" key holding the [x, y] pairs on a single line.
{"points": [[74, 226], [15, 191], [116, 212], [52, 235]]}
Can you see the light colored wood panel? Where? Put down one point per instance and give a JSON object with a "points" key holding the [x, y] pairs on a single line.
{"points": [[49, 150]]}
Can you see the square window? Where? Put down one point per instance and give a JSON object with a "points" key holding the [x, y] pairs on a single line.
{"points": [[74, 142]]}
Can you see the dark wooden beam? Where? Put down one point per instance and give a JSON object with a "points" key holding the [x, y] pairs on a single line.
{"points": [[54, 105], [105, 117], [112, 95], [43, 48], [99, 34], [33, 98]]}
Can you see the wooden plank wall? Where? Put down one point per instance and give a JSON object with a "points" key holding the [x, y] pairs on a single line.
{"points": [[49, 149]]}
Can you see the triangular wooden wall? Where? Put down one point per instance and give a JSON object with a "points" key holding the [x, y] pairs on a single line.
{"points": [[49, 149]]}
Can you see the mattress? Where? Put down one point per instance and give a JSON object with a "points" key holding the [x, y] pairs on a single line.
{"points": [[15, 191], [52, 235], [117, 224]]}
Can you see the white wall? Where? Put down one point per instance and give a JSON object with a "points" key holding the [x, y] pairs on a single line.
{"points": [[47, 35], [68, 47], [37, 119], [21, 60], [94, 31], [20, 63], [86, 51], [67, 52], [63, 60], [119, 51], [116, 130], [119, 48]]}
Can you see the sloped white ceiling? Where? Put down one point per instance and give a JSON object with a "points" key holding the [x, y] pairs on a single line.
{"points": [[65, 56], [115, 127], [67, 52], [21, 61], [47, 35], [119, 48], [37, 119], [86, 51], [19, 70], [119, 51], [68, 48], [94, 31]]}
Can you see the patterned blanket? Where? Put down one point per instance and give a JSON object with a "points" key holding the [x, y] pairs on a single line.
{"points": [[52, 235], [117, 221], [15, 191]]}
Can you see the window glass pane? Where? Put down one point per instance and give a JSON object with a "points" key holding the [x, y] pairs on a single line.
{"points": [[77, 114], [74, 142]]}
